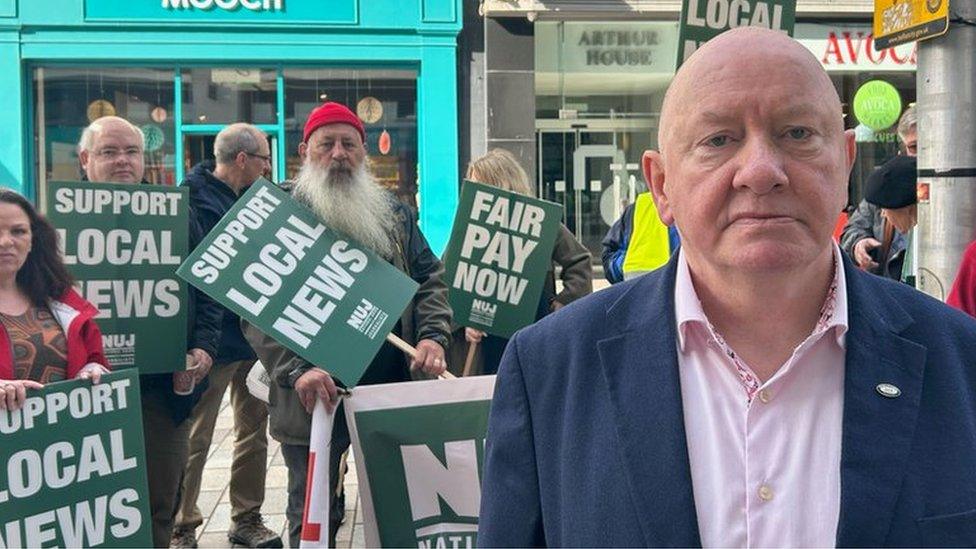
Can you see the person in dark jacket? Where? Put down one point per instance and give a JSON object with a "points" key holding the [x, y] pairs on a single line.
{"points": [[335, 184], [863, 236], [111, 150], [242, 156]]}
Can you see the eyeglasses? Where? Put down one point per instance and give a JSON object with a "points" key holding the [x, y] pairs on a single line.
{"points": [[112, 154], [266, 158]]}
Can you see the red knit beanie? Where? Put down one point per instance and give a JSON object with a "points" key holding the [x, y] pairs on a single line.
{"points": [[332, 113]]}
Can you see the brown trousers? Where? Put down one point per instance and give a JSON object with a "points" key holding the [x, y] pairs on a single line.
{"points": [[250, 460]]}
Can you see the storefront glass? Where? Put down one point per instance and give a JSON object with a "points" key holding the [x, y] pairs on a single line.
{"points": [[599, 89], [68, 98], [386, 101], [228, 95]]}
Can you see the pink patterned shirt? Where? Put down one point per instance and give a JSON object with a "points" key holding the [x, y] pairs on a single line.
{"points": [[765, 457]]}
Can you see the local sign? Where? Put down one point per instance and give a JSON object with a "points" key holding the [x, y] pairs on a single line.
{"points": [[902, 21], [702, 20]]}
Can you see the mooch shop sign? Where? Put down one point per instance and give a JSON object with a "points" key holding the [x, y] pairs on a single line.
{"points": [[223, 11]]}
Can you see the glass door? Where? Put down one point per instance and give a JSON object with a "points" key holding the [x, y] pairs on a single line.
{"points": [[591, 175]]}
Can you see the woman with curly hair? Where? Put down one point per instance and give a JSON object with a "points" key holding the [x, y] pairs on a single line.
{"points": [[47, 331]]}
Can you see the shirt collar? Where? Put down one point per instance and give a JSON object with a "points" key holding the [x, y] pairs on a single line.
{"points": [[688, 309]]}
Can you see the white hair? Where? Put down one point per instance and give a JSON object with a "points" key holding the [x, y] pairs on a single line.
{"points": [[352, 203], [95, 129], [908, 123]]}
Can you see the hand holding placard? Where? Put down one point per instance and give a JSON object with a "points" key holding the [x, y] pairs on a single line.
{"points": [[497, 259], [320, 294]]}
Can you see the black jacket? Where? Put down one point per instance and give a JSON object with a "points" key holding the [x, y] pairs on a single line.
{"points": [[210, 199], [203, 316]]}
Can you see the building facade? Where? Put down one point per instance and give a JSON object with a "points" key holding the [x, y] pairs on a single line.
{"points": [[597, 73], [183, 69]]}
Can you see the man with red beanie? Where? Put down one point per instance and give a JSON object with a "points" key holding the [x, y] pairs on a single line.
{"points": [[335, 183]]}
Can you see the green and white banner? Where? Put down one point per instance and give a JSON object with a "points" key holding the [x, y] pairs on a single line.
{"points": [[419, 450], [327, 298], [702, 20], [123, 244], [497, 259], [73, 467]]}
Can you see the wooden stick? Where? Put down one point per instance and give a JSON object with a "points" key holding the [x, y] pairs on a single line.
{"points": [[401, 344], [469, 361], [407, 348]]}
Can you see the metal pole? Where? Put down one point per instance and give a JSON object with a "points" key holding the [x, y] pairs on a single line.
{"points": [[946, 86]]}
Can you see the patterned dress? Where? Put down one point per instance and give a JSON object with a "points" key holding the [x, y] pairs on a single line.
{"points": [[38, 344]]}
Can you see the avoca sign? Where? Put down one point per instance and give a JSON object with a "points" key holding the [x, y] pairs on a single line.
{"points": [[877, 105]]}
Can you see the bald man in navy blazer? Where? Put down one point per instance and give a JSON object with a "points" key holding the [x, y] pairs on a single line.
{"points": [[759, 390]]}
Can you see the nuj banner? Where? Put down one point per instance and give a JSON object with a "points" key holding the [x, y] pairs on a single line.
{"points": [[702, 20], [73, 467], [123, 244], [317, 292], [498, 256], [420, 450]]}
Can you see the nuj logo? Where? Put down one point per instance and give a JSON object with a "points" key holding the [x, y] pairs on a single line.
{"points": [[434, 486], [483, 307], [227, 5], [118, 341]]}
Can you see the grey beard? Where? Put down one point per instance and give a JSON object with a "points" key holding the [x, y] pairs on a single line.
{"points": [[352, 203]]}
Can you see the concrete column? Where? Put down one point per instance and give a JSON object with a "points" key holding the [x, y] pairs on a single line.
{"points": [[947, 151]]}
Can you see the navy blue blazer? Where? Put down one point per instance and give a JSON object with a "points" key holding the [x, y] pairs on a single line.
{"points": [[586, 439]]}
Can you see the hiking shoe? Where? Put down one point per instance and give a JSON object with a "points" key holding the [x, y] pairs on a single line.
{"points": [[184, 538], [250, 531]]}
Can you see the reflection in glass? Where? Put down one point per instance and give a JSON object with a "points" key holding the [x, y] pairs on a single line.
{"points": [[67, 99], [387, 102]]}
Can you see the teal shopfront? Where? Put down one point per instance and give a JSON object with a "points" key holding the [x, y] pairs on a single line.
{"points": [[183, 69]]}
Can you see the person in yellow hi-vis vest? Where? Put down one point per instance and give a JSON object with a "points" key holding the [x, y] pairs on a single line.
{"points": [[638, 242]]}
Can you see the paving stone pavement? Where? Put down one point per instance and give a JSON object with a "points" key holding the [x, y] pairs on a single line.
{"points": [[214, 498]]}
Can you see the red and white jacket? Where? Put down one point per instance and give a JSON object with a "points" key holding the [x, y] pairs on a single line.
{"points": [[77, 318]]}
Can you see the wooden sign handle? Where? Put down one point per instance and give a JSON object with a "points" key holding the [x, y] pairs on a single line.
{"points": [[407, 348], [469, 361]]}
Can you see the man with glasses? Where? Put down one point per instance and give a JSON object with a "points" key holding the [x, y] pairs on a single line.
{"points": [[242, 156], [111, 151]]}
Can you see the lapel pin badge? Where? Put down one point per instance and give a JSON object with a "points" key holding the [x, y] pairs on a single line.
{"points": [[888, 390]]}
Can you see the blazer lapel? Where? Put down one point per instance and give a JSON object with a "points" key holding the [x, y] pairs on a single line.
{"points": [[640, 367], [877, 429]]}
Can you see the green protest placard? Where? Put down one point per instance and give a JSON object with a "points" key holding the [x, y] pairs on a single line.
{"points": [[419, 458], [702, 20], [498, 257], [123, 244], [73, 467], [315, 291]]}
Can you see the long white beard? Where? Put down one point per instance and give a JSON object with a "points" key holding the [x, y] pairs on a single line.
{"points": [[350, 203]]}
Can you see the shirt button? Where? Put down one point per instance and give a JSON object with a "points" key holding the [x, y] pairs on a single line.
{"points": [[765, 396], [765, 493]]}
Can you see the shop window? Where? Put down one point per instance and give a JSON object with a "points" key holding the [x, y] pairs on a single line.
{"points": [[874, 147], [67, 99], [228, 95], [386, 100]]}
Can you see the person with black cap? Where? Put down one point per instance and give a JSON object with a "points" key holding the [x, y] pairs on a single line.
{"points": [[864, 232], [891, 189]]}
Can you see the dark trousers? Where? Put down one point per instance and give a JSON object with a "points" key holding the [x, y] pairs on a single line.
{"points": [[167, 451], [296, 459], [388, 366]]}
